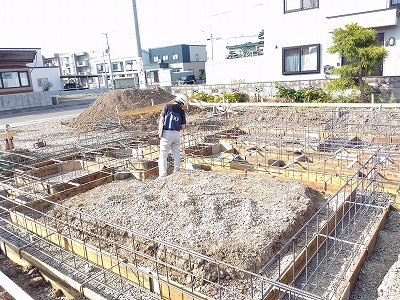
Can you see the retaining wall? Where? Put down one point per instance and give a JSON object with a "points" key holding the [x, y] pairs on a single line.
{"points": [[385, 89], [25, 100]]}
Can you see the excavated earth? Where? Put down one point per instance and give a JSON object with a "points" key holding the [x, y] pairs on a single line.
{"points": [[238, 219]]}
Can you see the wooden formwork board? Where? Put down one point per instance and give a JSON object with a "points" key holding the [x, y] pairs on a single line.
{"points": [[312, 247], [51, 168], [75, 186], [168, 290], [352, 279], [69, 287], [143, 174], [318, 175], [7, 134]]}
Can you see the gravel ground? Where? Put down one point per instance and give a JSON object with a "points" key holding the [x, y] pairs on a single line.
{"points": [[263, 216]]}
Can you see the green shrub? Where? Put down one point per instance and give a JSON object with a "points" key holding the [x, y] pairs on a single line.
{"points": [[235, 97], [308, 94], [201, 96]]}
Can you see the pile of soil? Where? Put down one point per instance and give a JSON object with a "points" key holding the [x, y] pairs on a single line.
{"points": [[241, 220], [103, 111]]}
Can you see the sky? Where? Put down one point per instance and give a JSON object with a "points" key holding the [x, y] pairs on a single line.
{"points": [[80, 25]]}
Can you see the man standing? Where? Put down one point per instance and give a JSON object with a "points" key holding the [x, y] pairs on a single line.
{"points": [[172, 121]]}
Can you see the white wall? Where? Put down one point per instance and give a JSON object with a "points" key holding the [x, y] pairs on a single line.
{"points": [[313, 26], [248, 69], [52, 74]]}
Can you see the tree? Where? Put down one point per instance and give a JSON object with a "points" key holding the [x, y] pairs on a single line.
{"points": [[362, 52], [261, 35]]}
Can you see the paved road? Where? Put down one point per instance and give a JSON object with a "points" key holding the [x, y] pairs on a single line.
{"points": [[19, 118]]}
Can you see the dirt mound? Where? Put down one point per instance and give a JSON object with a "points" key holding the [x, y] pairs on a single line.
{"points": [[102, 111]]}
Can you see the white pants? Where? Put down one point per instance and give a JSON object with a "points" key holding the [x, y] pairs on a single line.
{"points": [[170, 141]]}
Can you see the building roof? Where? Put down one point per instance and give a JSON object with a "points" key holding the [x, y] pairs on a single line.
{"points": [[12, 57], [248, 44]]}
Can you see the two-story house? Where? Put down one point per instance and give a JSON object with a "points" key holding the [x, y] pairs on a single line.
{"points": [[298, 34], [168, 63]]}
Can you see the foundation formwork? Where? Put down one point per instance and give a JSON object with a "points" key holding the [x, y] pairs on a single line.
{"points": [[357, 164]]}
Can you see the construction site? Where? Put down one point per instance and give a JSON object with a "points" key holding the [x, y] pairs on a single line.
{"points": [[270, 203]]}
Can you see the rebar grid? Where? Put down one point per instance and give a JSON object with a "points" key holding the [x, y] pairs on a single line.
{"points": [[333, 238], [331, 150], [165, 264]]}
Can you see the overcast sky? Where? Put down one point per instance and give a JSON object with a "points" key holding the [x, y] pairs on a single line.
{"points": [[77, 25]]}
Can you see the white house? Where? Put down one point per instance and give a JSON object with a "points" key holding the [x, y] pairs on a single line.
{"points": [[43, 76], [297, 35]]}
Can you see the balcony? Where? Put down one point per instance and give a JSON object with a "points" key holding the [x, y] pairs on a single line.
{"points": [[84, 63], [368, 19]]}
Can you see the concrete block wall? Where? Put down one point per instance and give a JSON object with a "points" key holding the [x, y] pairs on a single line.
{"points": [[386, 89], [25, 100]]}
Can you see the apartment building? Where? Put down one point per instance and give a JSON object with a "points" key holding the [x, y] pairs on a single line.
{"points": [[168, 63], [92, 70], [298, 34]]}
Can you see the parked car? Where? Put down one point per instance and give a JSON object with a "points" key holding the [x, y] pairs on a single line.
{"points": [[70, 86], [189, 79]]}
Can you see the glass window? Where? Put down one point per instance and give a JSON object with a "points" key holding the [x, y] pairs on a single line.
{"points": [[117, 66], [155, 59], [165, 57], [175, 56], [42, 81], [129, 65], [301, 59], [395, 2], [100, 68], [25, 79], [10, 79], [295, 5]]}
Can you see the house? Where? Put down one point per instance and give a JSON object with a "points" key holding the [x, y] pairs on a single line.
{"points": [[168, 63], [298, 34], [22, 71]]}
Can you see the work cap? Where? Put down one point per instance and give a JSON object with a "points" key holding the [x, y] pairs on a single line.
{"points": [[181, 99]]}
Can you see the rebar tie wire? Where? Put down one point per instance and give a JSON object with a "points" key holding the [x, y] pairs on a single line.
{"points": [[81, 286]]}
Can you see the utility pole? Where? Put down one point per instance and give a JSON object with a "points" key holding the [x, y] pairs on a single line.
{"points": [[212, 46], [109, 61], [142, 78], [104, 72]]}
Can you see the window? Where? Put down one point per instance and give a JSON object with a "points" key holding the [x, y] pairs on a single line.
{"points": [[296, 5], [175, 56], [42, 81], [394, 2], [100, 68], [196, 57], [165, 57], [156, 59], [117, 66], [23, 76], [129, 65], [14, 79], [301, 59]]}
